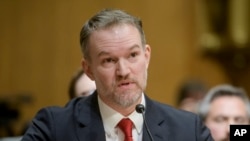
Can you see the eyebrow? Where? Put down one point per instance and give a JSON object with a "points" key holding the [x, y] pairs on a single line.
{"points": [[107, 53]]}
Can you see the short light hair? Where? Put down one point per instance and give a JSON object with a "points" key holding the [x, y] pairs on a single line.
{"points": [[218, 91], [105, 19]]}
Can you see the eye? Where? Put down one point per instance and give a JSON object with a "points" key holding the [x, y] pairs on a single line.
{"points": [[108, 60], [134, 54], [220, 119], [240, 120]]}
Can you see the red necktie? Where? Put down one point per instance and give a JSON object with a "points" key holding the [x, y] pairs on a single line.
{"points": [[126, 126]]}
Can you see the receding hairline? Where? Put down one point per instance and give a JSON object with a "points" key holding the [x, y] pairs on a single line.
{"points": [[108, 18]]}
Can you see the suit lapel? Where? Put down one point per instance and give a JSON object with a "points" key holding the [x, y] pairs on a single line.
{"points": [[155, 120], [89, 123]]}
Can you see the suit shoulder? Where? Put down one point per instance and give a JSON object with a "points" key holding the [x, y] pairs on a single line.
{"points": [[173, 112], [57, 110]]}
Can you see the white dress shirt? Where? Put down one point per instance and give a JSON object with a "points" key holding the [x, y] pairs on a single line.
{"points": [[111, 118]]}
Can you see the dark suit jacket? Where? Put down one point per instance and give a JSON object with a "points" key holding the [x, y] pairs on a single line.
{"points": [[80, 120]]}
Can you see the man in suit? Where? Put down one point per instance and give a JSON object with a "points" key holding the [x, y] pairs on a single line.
{"points": [[116, 57]]}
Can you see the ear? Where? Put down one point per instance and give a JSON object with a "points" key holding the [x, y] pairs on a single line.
{"points": [[87, 69], [147, 54]]}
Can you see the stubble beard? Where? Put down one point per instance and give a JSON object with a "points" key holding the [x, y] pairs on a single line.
{"points": [[128, 98]]}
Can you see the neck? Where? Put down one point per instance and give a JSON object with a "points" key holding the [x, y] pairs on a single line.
{"points": [[124, 110]]}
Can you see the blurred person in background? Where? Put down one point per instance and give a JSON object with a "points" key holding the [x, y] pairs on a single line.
{"points": [[190, 93], [223, 106], [10, 115], [81, 85]]}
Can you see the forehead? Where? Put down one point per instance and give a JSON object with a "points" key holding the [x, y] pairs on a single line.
{"points": [[114, 35], [228, 105]]}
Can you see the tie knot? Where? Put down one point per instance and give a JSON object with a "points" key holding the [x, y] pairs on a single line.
{"points": [[126, 126]]}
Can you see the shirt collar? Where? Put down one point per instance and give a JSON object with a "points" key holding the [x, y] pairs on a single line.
{"points": [[111, 117]]}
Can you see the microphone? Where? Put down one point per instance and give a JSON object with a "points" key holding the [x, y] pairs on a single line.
{"points": [[141, 109]]}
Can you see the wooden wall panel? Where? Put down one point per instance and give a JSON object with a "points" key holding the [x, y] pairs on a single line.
{"points": [[39, 47]]}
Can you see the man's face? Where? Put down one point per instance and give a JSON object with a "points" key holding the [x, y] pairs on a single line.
{"points": [[225, 110], [118, 64]]}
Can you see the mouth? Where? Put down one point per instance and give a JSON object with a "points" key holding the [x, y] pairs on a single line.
{"points": [[125, 84]]}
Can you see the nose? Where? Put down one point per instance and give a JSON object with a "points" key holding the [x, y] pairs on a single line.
{"points": [[122, 68], [230, 122], [228, 130]]}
